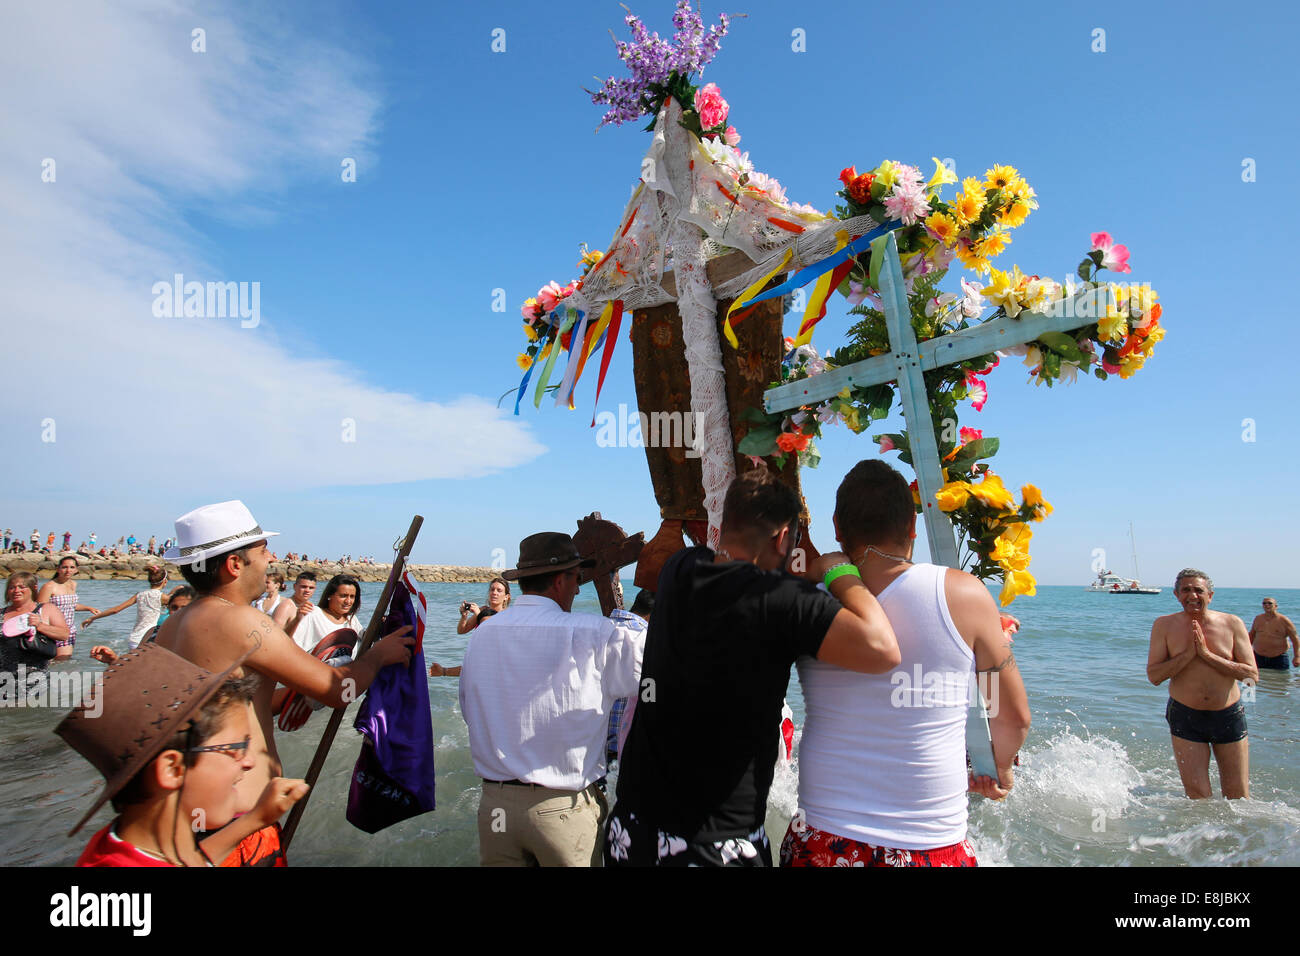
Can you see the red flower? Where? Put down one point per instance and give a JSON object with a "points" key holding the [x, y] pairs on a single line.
{"points": [[860, 188], [848, 174]]}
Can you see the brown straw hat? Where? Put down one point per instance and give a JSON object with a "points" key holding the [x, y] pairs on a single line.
{"points": [[149, 696], [546, 552]]}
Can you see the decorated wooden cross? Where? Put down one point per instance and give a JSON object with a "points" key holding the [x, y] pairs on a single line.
{"points": [[908, 360]]}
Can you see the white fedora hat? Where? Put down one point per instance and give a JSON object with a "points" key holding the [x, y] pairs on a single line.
{"points": [[214, 529]]}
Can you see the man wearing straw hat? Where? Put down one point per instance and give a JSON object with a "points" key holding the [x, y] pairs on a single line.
{"points": [[222, 553], [536, 688]]}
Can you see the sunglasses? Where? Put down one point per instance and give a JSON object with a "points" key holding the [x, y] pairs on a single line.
{"points": [[233, 751]]}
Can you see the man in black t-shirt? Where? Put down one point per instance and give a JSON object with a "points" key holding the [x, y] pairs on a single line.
{"points": [[727, 627]]}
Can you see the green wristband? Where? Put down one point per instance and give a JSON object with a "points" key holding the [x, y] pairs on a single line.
{"points": [[839, 571]]}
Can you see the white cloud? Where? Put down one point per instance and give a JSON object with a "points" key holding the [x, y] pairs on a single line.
{"points": [[141, 128]]}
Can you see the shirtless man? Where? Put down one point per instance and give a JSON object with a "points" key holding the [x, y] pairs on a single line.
{"points": [[1205, 653], [221, 625], [300, 604], [1268, 637]]}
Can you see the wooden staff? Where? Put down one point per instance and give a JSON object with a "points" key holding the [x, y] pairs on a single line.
{"points": [[336, 718]]}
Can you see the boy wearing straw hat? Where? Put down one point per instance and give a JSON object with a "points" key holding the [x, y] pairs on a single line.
{"points": [[171, 740], [222, 553]]}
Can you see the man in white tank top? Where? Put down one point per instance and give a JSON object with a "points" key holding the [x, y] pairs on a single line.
{"points": [[882, 761]]}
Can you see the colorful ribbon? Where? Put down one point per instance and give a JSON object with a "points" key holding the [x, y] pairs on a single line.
{"points": [[826, 284], [732, 319], [571, 316], [611, 339]]}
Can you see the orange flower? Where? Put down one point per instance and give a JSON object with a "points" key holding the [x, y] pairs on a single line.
{"points": [[792, 441], [860, 188]]}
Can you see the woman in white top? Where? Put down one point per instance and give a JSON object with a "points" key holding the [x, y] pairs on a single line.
{"points": [[272, 598], [148, 607], [339, 604]]}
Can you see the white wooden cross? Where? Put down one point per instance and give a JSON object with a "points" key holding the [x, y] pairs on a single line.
{"points": [[906, 362]]}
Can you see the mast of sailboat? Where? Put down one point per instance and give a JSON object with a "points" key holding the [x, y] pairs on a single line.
{"points": [[1137, 575]]}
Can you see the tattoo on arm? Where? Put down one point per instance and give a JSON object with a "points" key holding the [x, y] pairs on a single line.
{"points": [[1009, 662]]}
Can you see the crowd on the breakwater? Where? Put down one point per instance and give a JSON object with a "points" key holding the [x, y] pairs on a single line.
{"points": [[128, 545]]}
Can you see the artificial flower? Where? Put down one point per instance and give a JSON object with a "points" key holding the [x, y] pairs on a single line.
{"points": [[1114, 256], [711, 106], [731, 137], [1112, 326], [976, 391], [1034, 498], [886, 444], [859, 188], [1016, 583], [942, 177], [994, 244], [968, 435], [943, 227], [972, 300], [993, 493], [953, 496], [966, 254], [1001, 177], [907, 203], [1004, 290], [530, 333], [792, 441], [524, 361], [549, 296]]}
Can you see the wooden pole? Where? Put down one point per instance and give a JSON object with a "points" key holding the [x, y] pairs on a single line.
{"points": [[336, 718]]}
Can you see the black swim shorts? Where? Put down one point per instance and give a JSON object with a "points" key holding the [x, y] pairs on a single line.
{"points": [[1225, 726], [1280, 663]]}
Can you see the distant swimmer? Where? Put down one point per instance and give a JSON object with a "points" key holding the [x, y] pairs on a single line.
{"points": [[1205, 653], [1268, 637]]}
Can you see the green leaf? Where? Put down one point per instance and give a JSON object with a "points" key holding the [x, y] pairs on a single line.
{"points": [[759, 441], [1085, 270], [1062, 343], [756, 415]]}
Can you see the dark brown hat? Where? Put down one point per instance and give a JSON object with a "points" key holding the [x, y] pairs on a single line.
{"points": [[546, 552], [148, 696]]}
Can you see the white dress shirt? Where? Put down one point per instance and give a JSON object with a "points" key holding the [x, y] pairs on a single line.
{"points": [[536, 686]]}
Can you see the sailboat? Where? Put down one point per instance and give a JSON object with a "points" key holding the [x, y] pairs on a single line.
{"points": [[1134, 586]]}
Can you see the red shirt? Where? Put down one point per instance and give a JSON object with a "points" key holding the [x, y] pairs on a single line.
{"points": [[105, 849]]}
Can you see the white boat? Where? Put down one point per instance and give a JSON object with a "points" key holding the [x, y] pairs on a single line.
{"points": [[1112, 583]]}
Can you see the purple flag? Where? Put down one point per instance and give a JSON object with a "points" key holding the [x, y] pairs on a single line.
{"points": [[393, 778]]}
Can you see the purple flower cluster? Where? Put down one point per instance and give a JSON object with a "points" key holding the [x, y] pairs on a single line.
{"points": [[653, 60]]}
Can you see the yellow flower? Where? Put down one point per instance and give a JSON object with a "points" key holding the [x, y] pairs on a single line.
{"points": [[1129, 365], [969, 258], [1149, 344], [1013, 214], [529, 332], [969, 204], [1001, 177], [887, 173], [943, 226], [1035, 499], [525, 361], [1141, 298], [1112, 327], [1008, 556], [589, 259], [1003, 290], [942, 176], [1016, 583], [953, 496], [994, 244], [993, 493]]}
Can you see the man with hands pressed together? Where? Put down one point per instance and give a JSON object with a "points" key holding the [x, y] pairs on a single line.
{"points": [[1203, 654]]}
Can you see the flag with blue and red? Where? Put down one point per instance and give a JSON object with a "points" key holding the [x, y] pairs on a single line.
{"points": [[393, 779]]}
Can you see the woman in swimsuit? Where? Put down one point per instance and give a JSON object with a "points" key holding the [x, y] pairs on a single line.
{"points": [[148, 607], [62, 593], [20, 597], [270, 600]]}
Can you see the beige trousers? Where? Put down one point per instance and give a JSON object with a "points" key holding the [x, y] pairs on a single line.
{"points": [[537, 826]]}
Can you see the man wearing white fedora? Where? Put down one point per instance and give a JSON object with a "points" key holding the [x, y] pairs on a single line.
{"points": [[222, 553]]}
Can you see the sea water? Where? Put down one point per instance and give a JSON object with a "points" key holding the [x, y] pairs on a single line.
{"points": [[1097, 784]]}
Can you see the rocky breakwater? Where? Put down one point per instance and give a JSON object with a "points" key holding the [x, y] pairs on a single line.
{"points": [[136, 568]]}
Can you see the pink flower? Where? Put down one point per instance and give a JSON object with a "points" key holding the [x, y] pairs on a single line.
{"points": [[907, 203], [886, 444], [976, 391], [1114, 256], [711, 106], [549, 296], [730, 136], [969, 435], [1108, 368]]}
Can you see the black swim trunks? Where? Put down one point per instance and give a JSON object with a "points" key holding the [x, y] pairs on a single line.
{"points": [[1225, 726], [1280, 663]]}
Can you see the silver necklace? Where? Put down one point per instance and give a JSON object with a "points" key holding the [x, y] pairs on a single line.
{"points": [[892, 557]]}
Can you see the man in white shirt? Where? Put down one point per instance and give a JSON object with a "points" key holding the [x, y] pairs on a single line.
{"points": [[536, 689]]}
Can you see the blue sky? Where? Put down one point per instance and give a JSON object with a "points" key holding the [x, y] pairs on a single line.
{"points": [[479, 171]]}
